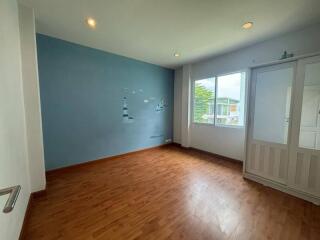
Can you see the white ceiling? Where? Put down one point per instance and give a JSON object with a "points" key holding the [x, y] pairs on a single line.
{"points": [[152, 30]]}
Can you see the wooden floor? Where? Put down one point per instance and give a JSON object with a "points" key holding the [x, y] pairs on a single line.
{"points": [[166, 193]]}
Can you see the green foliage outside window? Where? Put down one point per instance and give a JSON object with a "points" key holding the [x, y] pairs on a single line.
{"points": [[203, 101]]}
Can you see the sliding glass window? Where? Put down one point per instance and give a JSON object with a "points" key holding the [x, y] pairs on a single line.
{"points": [[220, 100]]}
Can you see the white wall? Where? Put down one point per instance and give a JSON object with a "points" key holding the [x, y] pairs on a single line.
{"points": [[21, 150], [32, 98], [177, 106], [230, 142], [13, 141], [185, 106]]}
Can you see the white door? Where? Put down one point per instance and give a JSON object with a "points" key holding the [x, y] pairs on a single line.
{"points": [[304, 166], [13, 147], [269, 121]]}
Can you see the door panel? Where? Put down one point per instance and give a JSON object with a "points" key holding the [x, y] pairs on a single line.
{"points": [[13, 146], [271, 98], [304, 171], [269, 121], [268, 160], [307, 139], [309, 126], [310, 106], [304, 165]]}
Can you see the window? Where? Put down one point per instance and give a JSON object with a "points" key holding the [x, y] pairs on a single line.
{"points": [[230, 99], [204, 94], [220, 100]]}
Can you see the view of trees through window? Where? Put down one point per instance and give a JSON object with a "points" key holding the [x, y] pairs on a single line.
{"points": [[204, 100], [229, 100]]}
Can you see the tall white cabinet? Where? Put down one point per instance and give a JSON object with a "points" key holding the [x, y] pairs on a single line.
{"points": [[283, 133]]}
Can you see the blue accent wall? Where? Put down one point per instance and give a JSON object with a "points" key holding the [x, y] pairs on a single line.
{"points": [[97, 104]]}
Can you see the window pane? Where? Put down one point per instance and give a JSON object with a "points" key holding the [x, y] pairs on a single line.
{"points": [[204, 94], [310, 124], [230, 99]]}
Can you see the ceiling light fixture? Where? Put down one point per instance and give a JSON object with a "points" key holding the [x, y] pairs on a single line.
{"points": [[91, 22], [247, 25], [176, 54]]}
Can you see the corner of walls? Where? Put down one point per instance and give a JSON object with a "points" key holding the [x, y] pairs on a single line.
{"points": [[185, 106], [177, 105], [31, 94]]}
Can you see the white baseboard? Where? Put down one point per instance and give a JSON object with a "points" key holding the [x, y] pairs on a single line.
{"points": [[283, 188]]}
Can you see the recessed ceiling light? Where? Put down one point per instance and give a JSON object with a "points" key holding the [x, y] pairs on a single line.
{"points": [[91, 22], [176, 54], [247, 25]]}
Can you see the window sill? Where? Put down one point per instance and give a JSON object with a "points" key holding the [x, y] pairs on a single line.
{"points": [[218, 125]]}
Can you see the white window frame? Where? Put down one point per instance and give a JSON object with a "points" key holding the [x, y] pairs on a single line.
{"points": [[215, 76]]}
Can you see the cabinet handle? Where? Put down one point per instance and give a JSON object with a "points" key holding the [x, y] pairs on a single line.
{"points": [[13, 195]]}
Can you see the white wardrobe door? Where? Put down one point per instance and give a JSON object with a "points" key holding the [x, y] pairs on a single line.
{"points": [[270, 104], [304, 165]]}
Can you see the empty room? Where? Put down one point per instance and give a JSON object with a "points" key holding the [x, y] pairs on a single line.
{"points": [[155, 120]]}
